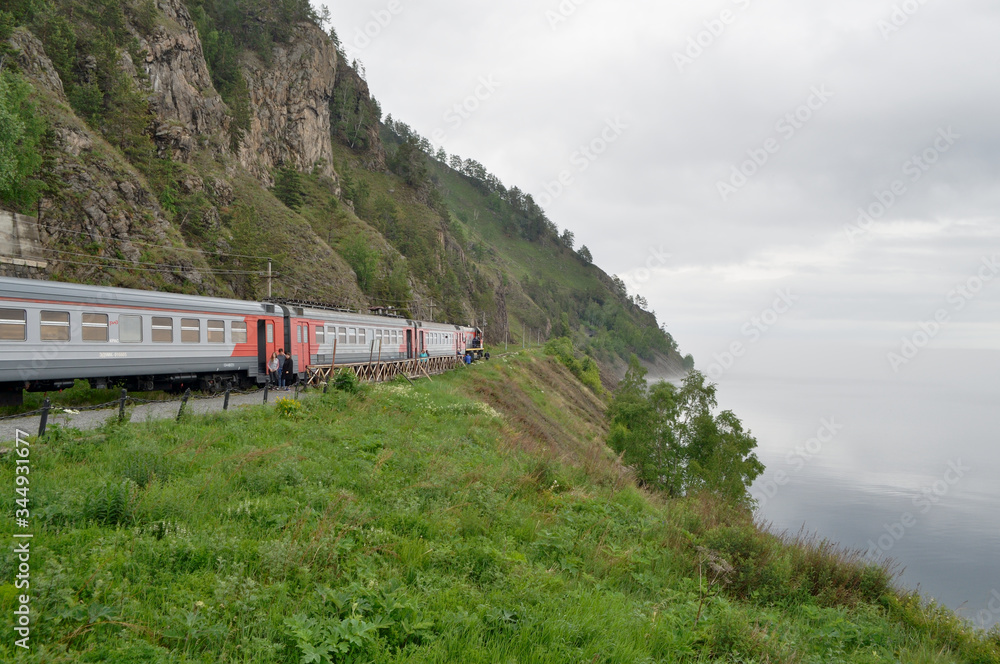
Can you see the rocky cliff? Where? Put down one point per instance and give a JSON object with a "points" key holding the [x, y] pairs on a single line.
{"points": [[183, 100], [153, 179], [290, 98], [99, 198]]}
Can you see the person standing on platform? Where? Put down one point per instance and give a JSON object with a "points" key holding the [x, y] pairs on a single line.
{"points": [[281, 368]]}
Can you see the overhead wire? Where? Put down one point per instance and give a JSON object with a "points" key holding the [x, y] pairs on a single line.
{"points": [[130, 266], [61, 229]]}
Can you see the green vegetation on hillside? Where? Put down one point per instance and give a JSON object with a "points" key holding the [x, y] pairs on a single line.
{"points": [[476, 518], [585, 369], [435, 236], [89, 44], [22, 130], [676, 443]]}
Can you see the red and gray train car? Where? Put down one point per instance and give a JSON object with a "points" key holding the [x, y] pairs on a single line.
{"points": [[52, 333]]}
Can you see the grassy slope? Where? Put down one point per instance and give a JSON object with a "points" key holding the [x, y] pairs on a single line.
{"points": [[475, 518]]}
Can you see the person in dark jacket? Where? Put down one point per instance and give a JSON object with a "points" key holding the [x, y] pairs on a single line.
{"points": [[282, 361]]}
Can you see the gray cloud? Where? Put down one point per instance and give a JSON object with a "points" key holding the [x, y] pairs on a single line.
{"points": [[893, 91]]}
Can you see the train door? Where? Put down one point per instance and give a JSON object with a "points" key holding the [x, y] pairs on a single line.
{"points": [[409, 344], [286, 342], [302, 344], [262, 354], [266, 343]]}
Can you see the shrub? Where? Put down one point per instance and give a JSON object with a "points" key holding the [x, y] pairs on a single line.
{"points": [[287, 407], [347, 381], [586, 369]]}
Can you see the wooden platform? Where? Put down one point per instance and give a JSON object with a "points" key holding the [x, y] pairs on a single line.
{"points": [[378, 372]]}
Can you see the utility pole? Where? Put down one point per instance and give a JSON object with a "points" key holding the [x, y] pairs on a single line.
{"points": [[432, 305], [269, 277], [484, 329]]}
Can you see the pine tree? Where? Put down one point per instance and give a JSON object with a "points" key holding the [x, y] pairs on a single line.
{"points": [[288, 187]]}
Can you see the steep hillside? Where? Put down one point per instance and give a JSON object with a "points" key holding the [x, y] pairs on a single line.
{"points": [[478, 518], [191, 144]]}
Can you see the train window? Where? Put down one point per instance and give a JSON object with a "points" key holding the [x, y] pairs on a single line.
{"points": [[130, 329], [54, 326], [13, 325], [342, 335], [190, 330], [378, 335], [95, 327], [216, 332], [239, 329], [352, 335], [362, 336], [298, 333], [163, 330], [320, 335], [270, 333]]}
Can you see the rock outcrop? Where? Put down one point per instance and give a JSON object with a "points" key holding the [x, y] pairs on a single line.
{"points": [[31, 59], [290, 101], [184, 100]]}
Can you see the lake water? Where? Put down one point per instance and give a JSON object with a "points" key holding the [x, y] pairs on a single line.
{"points": [[905, 464]]}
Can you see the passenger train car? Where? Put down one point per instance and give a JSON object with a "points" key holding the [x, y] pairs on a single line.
{"points": [[52, 333]]}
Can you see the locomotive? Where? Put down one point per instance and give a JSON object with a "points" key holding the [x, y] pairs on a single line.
{"points": [[52, 333]]}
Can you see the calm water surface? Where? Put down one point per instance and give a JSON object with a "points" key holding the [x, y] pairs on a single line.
{"points": [[903, 464]]}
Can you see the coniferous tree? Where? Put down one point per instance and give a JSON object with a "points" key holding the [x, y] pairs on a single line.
{"points": [[288, 187]]}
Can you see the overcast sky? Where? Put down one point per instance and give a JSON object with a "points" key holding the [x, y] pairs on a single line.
{"points": [[714, 154]]}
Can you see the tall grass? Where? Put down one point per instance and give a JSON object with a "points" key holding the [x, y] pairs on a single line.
{"points": [[419, 524]]}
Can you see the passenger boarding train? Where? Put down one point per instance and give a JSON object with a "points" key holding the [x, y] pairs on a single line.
{"points": [[52, 333]]}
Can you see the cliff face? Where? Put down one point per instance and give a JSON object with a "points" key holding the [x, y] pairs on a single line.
{"points": [[100, 197], [290, 99], [183, 99], [102, 205]]}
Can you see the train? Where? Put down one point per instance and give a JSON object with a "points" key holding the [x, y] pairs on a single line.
{"points": [[52, 333]]}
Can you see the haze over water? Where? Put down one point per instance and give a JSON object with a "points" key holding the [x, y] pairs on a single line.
{"points": [[910, 467]]}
